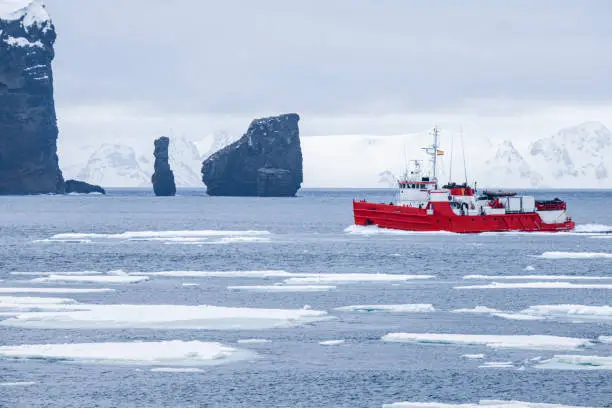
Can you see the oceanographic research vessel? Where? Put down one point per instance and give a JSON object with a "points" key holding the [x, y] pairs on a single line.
{"points": [[424, 206]]}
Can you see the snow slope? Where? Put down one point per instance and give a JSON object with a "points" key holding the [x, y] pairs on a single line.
{"points": [[579, 156]]}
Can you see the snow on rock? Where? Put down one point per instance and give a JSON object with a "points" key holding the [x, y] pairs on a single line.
{"points": [[508, 166], [482, 403], [166, 317], [92, 278], [538, 285], [54, 290], [354, 278], [576, 362], [575, 255], [22, 42], [535, 342], [402, 308], [163, 353], [282, 288]]}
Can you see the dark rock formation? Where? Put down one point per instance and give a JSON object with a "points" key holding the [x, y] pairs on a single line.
{"points": [[266, 161], [163, 178], [28, 125], [75, 186]]}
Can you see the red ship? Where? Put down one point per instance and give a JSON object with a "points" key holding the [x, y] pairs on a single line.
{"points": [[423, 206]]}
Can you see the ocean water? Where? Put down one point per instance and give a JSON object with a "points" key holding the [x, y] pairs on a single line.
{"points": [[303, 236]]}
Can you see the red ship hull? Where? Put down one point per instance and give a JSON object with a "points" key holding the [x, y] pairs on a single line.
{"points": [[444, 219]]}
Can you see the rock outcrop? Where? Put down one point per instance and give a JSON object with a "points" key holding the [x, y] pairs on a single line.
{"points": [[81, 187], [163, 178], [266, 161], [28, 125]]}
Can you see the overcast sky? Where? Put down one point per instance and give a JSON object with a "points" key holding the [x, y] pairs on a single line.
{"points": [[127, 68]]}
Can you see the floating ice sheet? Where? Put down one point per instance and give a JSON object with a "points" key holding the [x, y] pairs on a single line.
{"points": [[17, 304], [535, 342], [575, 255], [253, 341], [536, 277], [54, 290], [163, 353], [473, 356], [55, 273], [538, 285], [374, 229], [497, 364], [282, 288], [220, 274], [573, 313], [331, 342], [167, 317], [354, 278], [16, 383], [176, 370], [401, 308], [111, 279], [576, 362], [482, 403]]}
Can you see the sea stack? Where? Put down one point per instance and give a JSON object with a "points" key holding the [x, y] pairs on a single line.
{"points": [[266, 161], [163, 178], [81, 187], [28, 125]]}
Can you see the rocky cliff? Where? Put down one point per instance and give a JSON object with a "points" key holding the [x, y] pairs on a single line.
{"points": [[163, 178], [266, 161], [80, 187], [28, 125]]}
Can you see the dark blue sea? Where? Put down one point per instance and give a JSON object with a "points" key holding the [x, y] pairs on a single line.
{"points": [[309, 234]]}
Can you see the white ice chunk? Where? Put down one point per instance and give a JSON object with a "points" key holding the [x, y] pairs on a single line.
{"points": [[154, 235], [401, 308], [482, 403], [374, 229], [477, 309], [282, 288], [354, 278], [529, 268], [164, 353], [54, 290], [538, 285], [331, 342], [571, 312], [202, 317], [111, 279], [220, 274], [473, 356], [536, 277], [575, 255], [253, 341], [55, 273], [536, 342], [593, 228], [605, 339], [497, 364], [176, 370], [16, 383], [190, 284], [26, 303], [577, 362]]}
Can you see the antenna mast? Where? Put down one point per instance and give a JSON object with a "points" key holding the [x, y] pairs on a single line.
{"points": [[450, 173], [435, 154], [463, 153]]}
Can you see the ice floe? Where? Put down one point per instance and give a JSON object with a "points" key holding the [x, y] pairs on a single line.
{"points": [[331, 342], [54, 290], [481, 403], [593, 228], [536, 342], [573, 313], [529, 268], [55, 273], [169, 237], [575, 255], [110, 279], [163, 353], [17, 304], [253, 341], [221, 274], [473, 356], [354, 278], [576, 362], [190, 284], [282, 288], [538, 285], [477, 309], [497, 364], [536, 277], [605, 339], [401, 308], [203, 317], [16, 383], [176, 370]]}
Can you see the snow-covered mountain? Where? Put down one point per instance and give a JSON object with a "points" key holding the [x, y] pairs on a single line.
{"points": [[580, 156], [577, 156], [508, 168]]}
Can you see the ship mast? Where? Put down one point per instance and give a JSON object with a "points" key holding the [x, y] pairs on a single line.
{"points": [[435, 154]]}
